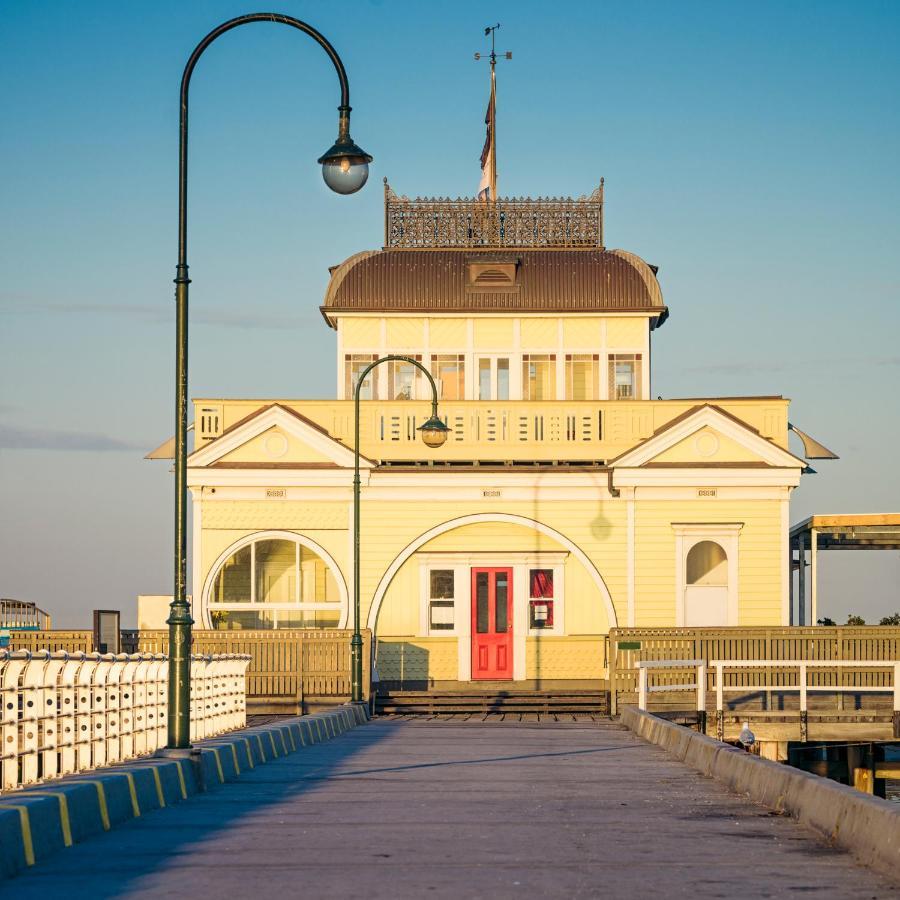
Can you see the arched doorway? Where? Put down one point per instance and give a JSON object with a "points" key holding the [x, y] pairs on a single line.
{"points": [[489, 597]]}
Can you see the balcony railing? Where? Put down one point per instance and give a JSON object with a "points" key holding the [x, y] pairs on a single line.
{"points": [[486, 431]]}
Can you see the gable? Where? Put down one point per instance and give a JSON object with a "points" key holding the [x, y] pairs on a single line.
{"points": [[707, 445], [706, 435], [275, 436], [276, 445]]}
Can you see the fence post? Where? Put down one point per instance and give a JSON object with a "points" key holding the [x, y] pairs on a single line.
{"points": [[613, 673], [701, 697], [642, 687], [804, 720], [896, 716], [720, 703]]}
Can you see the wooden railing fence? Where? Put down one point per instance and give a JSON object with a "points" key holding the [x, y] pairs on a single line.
{"points": [[287, 668], [629, 646]]}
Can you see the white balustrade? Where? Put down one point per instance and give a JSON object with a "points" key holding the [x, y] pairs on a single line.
{"points": [[71, 712], [764, 682]]}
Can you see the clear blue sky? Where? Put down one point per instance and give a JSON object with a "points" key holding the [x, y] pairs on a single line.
{"points": [[750, 150]]}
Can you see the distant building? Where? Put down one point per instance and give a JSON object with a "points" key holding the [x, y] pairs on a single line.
{"points": [[20, 615], [566, 501]]}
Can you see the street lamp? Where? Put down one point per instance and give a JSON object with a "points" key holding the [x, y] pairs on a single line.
{"points": [[345, 168], [434, 434]]}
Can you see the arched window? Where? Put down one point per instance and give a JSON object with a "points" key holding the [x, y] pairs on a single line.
{"points": [[274, 582], [707, 563]]}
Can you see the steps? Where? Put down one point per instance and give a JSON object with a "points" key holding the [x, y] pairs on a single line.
{"points": [[548, 702]]}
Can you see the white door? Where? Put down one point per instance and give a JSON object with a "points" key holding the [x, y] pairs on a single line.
{"points": [[705, 605]]}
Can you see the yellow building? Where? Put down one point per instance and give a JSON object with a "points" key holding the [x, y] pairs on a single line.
{"points": [[565, 502]]}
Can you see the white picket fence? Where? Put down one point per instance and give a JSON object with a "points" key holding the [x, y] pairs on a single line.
{"points": [[71, 712]]}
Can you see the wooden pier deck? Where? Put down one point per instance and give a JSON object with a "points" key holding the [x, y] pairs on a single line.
{"points": [[419, 806]]}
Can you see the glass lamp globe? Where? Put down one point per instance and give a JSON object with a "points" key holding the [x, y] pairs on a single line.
{"points": [[434, 432], [345, 167]]}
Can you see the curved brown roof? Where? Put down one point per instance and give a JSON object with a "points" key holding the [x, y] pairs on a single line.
{"points": [[439, 281]]}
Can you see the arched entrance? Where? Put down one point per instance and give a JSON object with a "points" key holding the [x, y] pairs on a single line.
{"points": [[488, 597]]}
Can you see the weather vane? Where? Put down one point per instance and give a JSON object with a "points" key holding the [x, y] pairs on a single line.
{"points": [[489, 30]]}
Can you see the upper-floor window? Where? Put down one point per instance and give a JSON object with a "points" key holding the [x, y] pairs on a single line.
{"points": [[493, 377], [354, 364], [402, 379], [449, 372], [582, 376], [625, 376], [538, 376]]}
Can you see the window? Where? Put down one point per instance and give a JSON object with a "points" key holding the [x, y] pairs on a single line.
{"points": [[448, 371], [582, 376], [625, 376], [539, 376], [493, 378], [707, 563], [402, 378], [540, 598], [274, 583], [354, 363], [441, 615]]}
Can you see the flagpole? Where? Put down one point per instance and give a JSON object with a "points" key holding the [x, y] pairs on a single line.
{"points": [[493, 129]]}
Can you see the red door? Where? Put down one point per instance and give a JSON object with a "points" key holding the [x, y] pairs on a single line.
{"points": [[492, 624]]}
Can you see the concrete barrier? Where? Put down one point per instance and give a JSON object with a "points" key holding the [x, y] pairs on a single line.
{"points": [[37, 822], [868, 827]]}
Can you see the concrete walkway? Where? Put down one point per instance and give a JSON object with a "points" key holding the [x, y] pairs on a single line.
{"points": [[440, 809]]}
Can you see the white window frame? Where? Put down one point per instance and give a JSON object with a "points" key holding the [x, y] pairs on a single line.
{"points": [[208, 607], [377, 388], [493, 358], [426, 599], [687, 535]]}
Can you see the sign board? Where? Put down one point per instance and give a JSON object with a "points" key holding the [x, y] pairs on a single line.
{"points": [[707, 492], [4, 637]]}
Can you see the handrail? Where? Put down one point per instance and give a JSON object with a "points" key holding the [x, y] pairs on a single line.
{"points": [[645, 688], [720, 666], [803, 686]]}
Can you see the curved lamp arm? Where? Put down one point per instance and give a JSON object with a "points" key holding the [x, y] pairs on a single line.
{"points": [[378, 362], [343, 109]]}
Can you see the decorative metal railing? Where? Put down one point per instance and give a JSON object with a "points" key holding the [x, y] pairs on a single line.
{"points": [[70, 712], [442, 223]]}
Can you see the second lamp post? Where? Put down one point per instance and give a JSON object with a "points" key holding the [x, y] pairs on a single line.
{"points": [[434, 434]]}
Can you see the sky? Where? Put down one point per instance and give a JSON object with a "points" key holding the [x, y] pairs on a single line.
{"points": [[749, 149]]}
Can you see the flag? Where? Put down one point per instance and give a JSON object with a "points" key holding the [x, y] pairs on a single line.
{"points": [[487, 187]]}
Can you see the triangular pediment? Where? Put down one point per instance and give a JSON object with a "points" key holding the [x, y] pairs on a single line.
{"points": [[707, 436], [275, 436]]}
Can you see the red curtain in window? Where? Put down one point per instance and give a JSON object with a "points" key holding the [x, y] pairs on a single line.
{"points": [[541, 583]]}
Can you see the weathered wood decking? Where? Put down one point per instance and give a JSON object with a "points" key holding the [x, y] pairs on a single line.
{"points": [[413, 808]]}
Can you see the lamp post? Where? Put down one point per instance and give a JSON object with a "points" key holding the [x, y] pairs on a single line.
{"points": [[345, 168], [434, 433]]}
